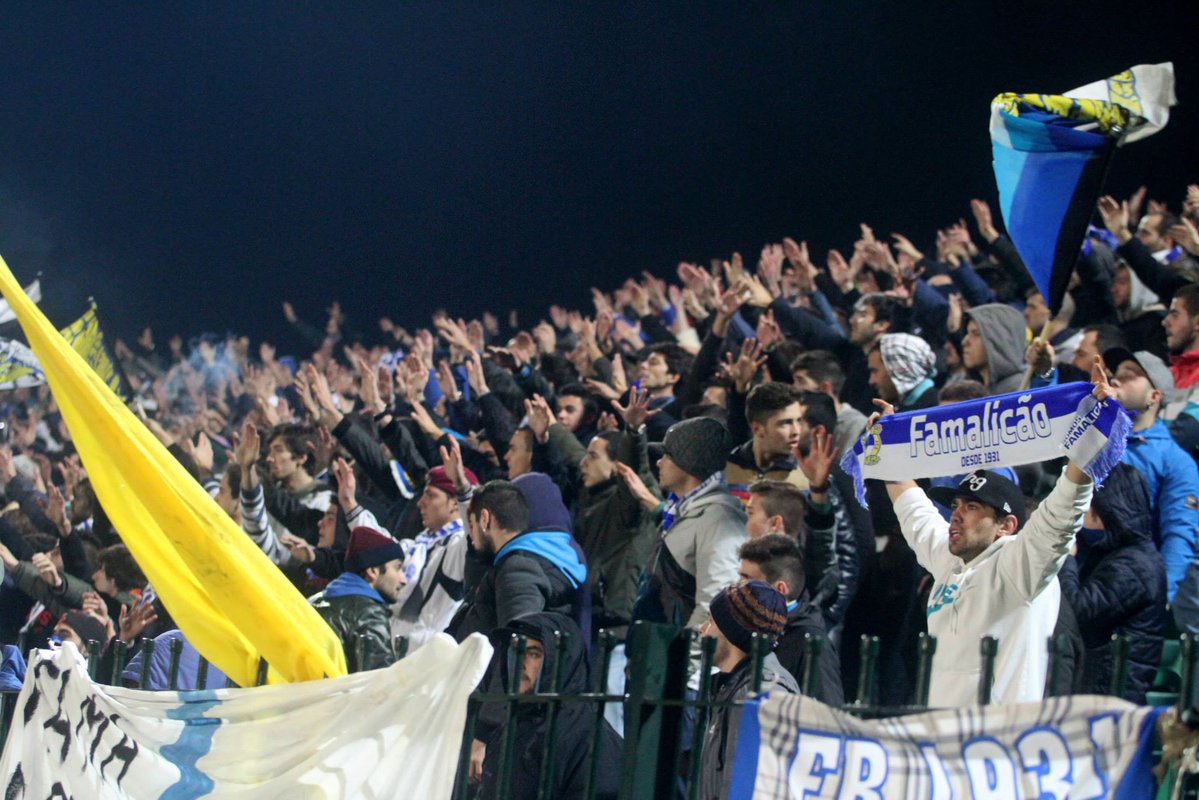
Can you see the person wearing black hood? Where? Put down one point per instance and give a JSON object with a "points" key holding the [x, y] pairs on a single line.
{"points": [[1116, 584], [575, 724]]}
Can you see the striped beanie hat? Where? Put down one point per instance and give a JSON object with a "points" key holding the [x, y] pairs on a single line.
{"points": [[746, 608]]}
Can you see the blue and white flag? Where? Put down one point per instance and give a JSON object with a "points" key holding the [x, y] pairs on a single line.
{"points": [[1051, 154], [34, 290], [791, 746], [1005, 430], [393, 732]]}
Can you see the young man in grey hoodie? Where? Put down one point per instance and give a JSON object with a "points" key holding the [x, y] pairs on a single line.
{"points": [[994, 347]]}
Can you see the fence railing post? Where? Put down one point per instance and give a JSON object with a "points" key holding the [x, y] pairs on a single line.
{"points": [[926, 648], [120, 655], [1186, 692], [607, 643], [660, 654], [813, 649], [557, 679], [869, 658], [93, 660], [707, 647], [987, 648], [1119, 665], [143, 681], [173, 669], [516, 658]]}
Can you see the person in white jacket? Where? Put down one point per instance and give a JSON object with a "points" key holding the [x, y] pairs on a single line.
{"points": [[989, 581]]}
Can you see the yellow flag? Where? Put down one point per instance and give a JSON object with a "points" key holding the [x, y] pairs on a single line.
{"points": [[227, 597]]}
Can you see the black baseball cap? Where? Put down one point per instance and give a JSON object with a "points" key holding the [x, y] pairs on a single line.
{"points": [[989, 488]]}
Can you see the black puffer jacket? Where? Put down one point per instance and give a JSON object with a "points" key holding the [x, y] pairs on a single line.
{"points": [[575, 726], [1117, 585], [355, 611]]}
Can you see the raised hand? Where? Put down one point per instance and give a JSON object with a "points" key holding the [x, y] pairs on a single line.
{"points": [[56, 510], [982, 217], [135, 620], [300, 550], [46, 569], [201, 452], [1039, 356], [743, 370], [753, 292], [818, 464], [1103, 390], [541, 416], [347, 484], [1186, 236], [842, 274], [769, 332], [474, 374], [1115, 217], [246, 447], [905, 246], [445, 379], [451, 459], [636, 486], [637, 411]]}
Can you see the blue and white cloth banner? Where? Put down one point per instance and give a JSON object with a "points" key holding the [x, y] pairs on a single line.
{"points": [[791, 746], [385, 733], [19, 367], [1005, 430]]}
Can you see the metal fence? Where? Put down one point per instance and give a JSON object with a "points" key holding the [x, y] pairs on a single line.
{"points": [[658, 707]]}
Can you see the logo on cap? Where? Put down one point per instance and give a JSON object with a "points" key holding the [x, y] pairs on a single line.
{"points": [[976, 482]]}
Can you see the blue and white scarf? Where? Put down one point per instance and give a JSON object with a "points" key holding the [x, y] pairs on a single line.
{"points": [[418, 553], [675, 504], [1006, 430]]}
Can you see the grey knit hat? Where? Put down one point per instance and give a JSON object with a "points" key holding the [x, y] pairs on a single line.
{"points": [[698, 446]]}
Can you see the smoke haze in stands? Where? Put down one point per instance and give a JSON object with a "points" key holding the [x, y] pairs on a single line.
{"points": [[191, 166]]}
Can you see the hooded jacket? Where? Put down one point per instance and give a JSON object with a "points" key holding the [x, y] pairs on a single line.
{"points": [[1005, 336], [575, 723], [355, 611], [1117, 585], [1009, 591], [693, 560], [1173, 481]]}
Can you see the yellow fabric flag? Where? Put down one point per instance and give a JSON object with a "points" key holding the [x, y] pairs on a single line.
{"points": [[227, 597]]}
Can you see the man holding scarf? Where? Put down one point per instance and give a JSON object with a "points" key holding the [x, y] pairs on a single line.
{"points": [[989, 581]]}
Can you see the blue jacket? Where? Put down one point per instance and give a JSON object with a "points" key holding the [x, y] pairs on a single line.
{"points": [[1173, 481]]}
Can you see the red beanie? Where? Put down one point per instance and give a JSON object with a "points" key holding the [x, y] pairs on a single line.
{"points": [[370, 548], [439, 479]]}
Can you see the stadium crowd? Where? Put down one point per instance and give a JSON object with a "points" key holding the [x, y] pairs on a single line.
{"points": [[672, 455]]}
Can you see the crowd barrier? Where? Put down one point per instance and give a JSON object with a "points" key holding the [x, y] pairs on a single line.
{"points": [[657, 703]]}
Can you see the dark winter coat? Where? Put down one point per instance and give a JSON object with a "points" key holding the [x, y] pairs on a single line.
{"points": [[575, 723], [803, 619], [720, 746], [1117, 585], [356, 612]]}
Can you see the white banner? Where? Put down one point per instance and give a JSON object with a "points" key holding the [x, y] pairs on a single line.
{"points": [[1079, 747], [393, 732]]}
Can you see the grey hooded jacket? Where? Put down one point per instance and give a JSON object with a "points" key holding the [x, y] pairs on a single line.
{"points": [[1005, 335]]}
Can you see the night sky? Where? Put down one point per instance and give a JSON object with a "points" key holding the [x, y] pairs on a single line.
{"points": [[191, 165]]}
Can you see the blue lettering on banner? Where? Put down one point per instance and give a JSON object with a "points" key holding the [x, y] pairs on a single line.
{"points": [[1044, 753], [938, 775], [989, 768], [817, 756], [865, 771], [1103, 730]]}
